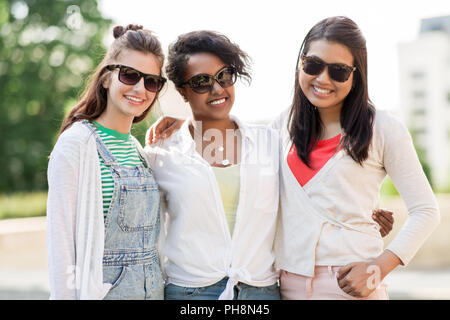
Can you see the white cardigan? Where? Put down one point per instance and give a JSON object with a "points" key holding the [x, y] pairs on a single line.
{"points": [[329, 220], [75, 225], [199, 248]]}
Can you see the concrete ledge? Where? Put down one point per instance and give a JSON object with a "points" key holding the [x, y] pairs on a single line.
{"points": [[9, 226], [23, 243], [435, 252]]}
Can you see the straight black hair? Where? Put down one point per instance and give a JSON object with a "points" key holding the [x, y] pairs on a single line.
{"points": [[358, 112]]}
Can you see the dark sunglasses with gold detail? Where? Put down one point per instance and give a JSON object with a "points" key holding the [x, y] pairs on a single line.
{"points": [[202, 83]]}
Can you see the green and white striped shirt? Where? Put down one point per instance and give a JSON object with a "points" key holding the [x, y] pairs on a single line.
{"points": [[123, 148]]}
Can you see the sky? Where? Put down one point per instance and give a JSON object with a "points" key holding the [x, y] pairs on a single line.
{"points": [[271, 32]]}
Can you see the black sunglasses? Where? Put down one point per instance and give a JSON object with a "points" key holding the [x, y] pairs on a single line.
{"points": [[339, 72], [203, 83], [131, 76]]}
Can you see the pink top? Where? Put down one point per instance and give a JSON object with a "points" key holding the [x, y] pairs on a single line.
{"points": [[319, 156]]}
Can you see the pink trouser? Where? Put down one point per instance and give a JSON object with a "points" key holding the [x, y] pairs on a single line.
{"points": [[323, 286]]}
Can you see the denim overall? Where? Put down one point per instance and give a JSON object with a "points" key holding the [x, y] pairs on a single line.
{"points": [[130, 260]]}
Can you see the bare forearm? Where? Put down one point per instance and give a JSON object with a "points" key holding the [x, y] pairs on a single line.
{"points": [[386, 262]]}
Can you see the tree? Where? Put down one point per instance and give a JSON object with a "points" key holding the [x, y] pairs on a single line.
{"points": [[421, 154], [47, 49]]}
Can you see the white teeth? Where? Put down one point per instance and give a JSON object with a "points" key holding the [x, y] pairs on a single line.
{"points": [[133, 99], [218, 101], [321, 90]]}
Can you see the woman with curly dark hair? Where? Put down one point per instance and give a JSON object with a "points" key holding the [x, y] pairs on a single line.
{"points": [[220, 180], [103, 208]]}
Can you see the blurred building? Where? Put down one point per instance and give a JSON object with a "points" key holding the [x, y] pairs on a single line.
{"points": [[425, 95]]}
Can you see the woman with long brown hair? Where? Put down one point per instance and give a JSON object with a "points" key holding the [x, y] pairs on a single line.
{"points": [[103, 209]]}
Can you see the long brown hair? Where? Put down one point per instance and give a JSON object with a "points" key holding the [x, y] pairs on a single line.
{"points": [[358, 112], [94, 97]]}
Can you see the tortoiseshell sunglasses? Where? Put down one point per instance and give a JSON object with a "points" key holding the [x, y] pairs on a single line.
{"points": [[202, 83]]}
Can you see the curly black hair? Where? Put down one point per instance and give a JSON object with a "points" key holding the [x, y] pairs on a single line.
{"points": [[205, 41]]}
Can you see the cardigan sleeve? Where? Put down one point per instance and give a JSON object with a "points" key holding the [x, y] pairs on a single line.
{"points": [[402, 165], [62, 173], [75, 234]]}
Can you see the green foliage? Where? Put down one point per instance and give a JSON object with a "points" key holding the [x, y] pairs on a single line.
{"points": [[388, 189], [422, 157], [425, 166], [23, 205], [139, 130], [47, 48]]}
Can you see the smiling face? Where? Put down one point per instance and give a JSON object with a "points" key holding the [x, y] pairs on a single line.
{"points": [[215, 104], [129, 101], [321, 90]]}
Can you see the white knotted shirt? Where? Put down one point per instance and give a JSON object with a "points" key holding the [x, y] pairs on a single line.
{"points": [[198, 245]]}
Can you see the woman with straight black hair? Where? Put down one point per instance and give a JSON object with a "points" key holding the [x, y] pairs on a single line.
{"points": [[336, 151], [357, 112]]}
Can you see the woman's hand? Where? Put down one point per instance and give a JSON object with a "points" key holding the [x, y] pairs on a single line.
{"points": [[162, 128], [385, 219], [354, 279], [360, 279]]}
